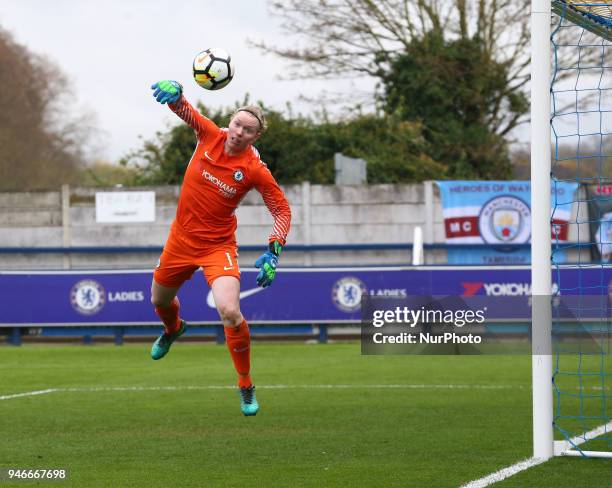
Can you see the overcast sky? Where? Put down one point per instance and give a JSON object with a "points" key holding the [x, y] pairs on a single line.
{"points": [[113, 50]]}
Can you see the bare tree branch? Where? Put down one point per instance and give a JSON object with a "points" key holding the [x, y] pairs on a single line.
{"points": [[40, 145], [340, 38]]}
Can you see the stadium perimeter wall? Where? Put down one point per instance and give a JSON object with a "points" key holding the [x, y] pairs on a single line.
{"points": [[322, 214]]}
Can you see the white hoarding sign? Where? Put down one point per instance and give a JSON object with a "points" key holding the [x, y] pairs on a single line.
{"points": [[125, 206]]}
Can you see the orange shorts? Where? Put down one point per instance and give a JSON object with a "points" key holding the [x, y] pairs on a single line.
{"points": [[180, 259]]}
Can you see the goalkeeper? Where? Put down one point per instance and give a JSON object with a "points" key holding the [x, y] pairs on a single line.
{"points": [[223, 169]]}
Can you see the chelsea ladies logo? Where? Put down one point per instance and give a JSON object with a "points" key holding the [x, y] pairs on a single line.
{"points": [[238, 176], [87, 297], [347, 293]]}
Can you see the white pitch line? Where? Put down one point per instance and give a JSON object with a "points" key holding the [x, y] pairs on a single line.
{"points": [[261, 387], [479, 483], [268, 387], [561, 448], [28, 393], [504, 473]]}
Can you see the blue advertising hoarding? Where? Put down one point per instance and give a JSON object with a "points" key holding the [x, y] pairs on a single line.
{"points": [[299, 295]]}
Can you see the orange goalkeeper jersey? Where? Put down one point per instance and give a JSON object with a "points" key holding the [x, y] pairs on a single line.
{"points": [[215, 183]]}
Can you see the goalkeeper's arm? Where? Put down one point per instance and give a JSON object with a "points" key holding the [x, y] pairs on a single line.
{"points": [[171, 92]]}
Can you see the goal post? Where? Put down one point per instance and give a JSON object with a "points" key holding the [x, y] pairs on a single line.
{"points": [[571, 99], [541, 273]]}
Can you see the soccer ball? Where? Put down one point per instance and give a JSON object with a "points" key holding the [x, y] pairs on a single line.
{"points": [[213, 68]]}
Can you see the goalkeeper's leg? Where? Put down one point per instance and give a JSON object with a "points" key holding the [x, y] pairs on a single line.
{"points": [[226, 292], [167, 307], [172, 270]]}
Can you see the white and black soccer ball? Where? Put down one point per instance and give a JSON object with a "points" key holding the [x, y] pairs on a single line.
{"points": [[213, 68]]}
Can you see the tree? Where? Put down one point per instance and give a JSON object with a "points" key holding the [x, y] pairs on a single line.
{"points": [[357, 37], [101, 173], [302, 149], [40, 146], [344, 38], [289, 147], [452, 87], [298, 148]]}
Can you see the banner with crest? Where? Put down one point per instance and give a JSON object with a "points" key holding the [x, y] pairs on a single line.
{"points": [[494, 216]]}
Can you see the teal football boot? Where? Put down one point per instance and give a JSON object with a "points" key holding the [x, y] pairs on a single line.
{"points": [[162, 345], [248, 402]]}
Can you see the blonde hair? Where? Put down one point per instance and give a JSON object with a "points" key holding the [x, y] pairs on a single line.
{"points": [[257, 112]]}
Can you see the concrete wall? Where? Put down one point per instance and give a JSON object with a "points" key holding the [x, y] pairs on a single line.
{"points": [[322, 214]]}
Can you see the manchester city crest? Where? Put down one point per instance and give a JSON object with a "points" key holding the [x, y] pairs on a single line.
{"points": [[238, 176], [87, 297], [505, 219]]}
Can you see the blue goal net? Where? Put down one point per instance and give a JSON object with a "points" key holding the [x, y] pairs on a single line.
{"points": [[581, 124]]}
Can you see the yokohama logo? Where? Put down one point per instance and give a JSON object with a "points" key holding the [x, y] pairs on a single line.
{"points": [[507, 289], [216, 181], [496, 289]]}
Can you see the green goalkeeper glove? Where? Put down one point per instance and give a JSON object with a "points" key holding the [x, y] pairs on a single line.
{"points": [[267, 263], [167, 91]]}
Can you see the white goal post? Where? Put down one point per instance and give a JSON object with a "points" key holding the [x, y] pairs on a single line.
{"points": [[593, 17], [541, 273]]}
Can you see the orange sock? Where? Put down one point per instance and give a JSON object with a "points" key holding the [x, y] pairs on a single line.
{"points": [[239, 344], [170, 316]]}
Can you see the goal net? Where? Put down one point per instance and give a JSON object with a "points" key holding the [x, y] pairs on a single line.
{"points": [[581, 124]]}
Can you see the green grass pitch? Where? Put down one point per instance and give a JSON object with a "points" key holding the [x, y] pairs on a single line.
{"points": [[329, 417]]}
